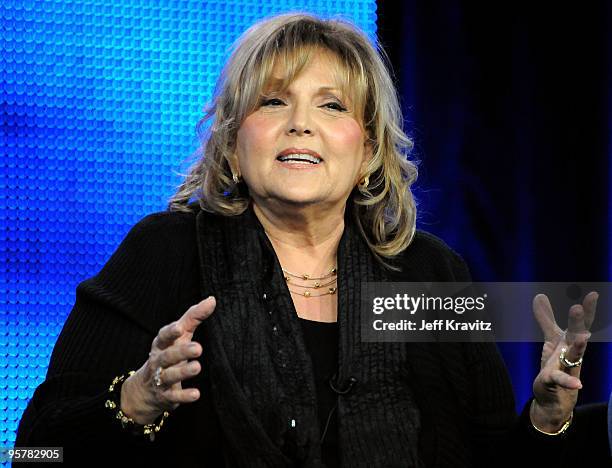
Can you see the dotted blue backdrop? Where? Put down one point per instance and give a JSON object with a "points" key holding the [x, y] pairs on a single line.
{"points": [[99, 105]]}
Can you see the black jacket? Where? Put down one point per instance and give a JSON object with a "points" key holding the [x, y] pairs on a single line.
{"points": [[258, 405]]}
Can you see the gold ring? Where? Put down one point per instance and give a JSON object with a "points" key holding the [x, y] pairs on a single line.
{"points": [[157, 376], [566, 363]]}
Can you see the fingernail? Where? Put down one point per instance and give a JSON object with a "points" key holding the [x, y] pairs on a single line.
{"points": [[193, 346]]}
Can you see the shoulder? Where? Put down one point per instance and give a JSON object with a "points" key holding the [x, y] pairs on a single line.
{"points": [[165, 223], [430, 242], [157, 242], [430, 258], [427, 245], [162, 232]]}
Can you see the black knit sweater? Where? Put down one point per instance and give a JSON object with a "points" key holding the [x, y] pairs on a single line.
{"points": [[258, 405]]}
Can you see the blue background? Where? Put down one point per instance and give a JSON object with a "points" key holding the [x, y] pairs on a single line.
{"points": [[100, 104]]}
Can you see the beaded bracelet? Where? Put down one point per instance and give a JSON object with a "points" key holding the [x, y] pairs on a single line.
{"points": [[128, 423]]}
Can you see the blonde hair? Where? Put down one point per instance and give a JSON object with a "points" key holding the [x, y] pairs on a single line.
{"points": [[384, 209]]}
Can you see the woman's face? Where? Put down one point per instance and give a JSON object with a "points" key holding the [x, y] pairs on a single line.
{"points": [[303, 146]]}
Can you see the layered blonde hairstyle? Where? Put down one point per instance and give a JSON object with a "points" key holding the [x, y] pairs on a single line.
{"points": [[384, 209]]}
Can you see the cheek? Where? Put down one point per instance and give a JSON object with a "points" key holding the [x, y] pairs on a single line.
{"points": [[349, 135], [254, 139], [245, 136], [247, 144], [349, 145]]}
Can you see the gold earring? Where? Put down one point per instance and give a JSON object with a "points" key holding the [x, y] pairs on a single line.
{"points": [[235, 178], [365, 181]]}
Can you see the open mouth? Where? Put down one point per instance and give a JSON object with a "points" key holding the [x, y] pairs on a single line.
{"points": [[297, 158]]}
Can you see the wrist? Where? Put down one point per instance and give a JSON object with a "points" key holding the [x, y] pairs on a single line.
{"points": [[113, 403], [129, 394], [547, 421]]}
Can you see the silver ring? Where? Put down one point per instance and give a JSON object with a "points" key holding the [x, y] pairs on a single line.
{"points": [[566, 363], [157, 376]]}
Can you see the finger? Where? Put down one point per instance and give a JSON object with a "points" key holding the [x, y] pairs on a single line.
{"points": [[574, 352], [576, 328], [167, 335], [177, 353], [180, 372], [180, 395], [590, 305], [196, 314], [545, 317], [562, 379]]}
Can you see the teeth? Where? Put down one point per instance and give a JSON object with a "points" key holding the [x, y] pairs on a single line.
{"points": [[296, 157]]}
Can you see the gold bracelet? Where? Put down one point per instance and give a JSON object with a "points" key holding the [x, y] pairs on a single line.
{"points": [[560, 431], [128, 423]]}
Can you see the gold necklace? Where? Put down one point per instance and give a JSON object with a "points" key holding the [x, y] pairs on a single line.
{"points": [[309, 294], [317, 284], [305, 276]]}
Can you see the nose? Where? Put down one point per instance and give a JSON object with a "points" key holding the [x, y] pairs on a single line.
{"points": [[299, 121], [299, 131]]}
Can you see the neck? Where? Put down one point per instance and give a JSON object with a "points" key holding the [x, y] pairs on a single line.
{"points": [[305, 241]]}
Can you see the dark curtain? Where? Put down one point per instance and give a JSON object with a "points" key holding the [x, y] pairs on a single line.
{"points": [[510, 108]]}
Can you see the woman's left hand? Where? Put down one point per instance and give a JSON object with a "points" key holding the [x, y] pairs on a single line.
{"points": [[556, 386]]}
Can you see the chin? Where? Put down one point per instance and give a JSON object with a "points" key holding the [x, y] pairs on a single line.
{"points": [[300, 197], [300, 201], [292, 193]]}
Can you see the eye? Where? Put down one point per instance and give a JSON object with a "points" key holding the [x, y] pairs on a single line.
{"points": [[335, 106], [271, 102]]}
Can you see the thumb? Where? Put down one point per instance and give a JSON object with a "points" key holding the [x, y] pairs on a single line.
{"points": [[196, 314]]}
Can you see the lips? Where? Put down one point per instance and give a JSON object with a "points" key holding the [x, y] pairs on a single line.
{"points": [[299, 156]]}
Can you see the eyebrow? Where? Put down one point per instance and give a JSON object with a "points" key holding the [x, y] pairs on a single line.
{"points": [[320, 90], [275, 83]]}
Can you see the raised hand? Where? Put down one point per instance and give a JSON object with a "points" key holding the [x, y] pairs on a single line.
{"points": [[156, 386], [556, 386]]}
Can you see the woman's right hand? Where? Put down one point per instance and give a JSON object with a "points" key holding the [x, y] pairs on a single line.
{"points": [[173, 351]]}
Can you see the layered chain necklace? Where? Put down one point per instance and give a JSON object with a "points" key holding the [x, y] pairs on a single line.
{"points": [[312, 286]]}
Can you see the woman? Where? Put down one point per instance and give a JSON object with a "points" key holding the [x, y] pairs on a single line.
{"points": [[301, 194]]}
